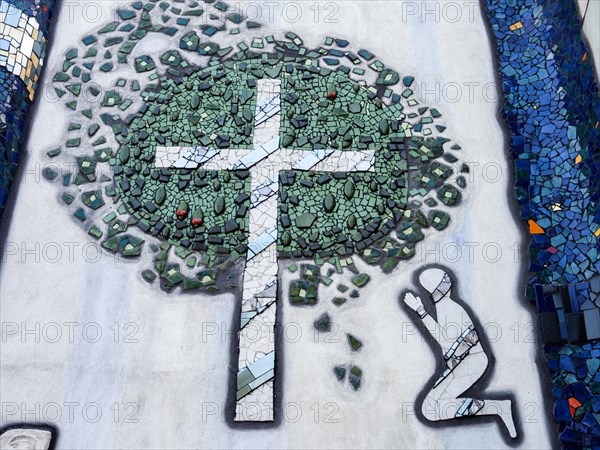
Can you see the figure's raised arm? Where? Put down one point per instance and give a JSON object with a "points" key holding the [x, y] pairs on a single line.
{"points": [[415, 303]]}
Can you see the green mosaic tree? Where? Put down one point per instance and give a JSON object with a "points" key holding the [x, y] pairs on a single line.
{"points": [[197, 220]]}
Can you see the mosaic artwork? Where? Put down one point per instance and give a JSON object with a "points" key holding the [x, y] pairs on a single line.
{"points": [[552, 109], [269, 151], [27, 437], [220, 155], [465, 359], [24, 27]]}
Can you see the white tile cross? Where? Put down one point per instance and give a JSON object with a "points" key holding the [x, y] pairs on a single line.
{"points": [[264, 161]]}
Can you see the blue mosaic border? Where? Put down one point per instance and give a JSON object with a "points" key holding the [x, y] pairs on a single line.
{"points": [[15, 98], [552, 110]]}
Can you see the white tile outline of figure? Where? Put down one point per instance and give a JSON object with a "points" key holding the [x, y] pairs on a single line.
{"points": [[27, 438], [464, 358], [256, 361]]}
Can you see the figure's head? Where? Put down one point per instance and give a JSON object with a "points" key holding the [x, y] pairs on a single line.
{"points": [[437, 282]]}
